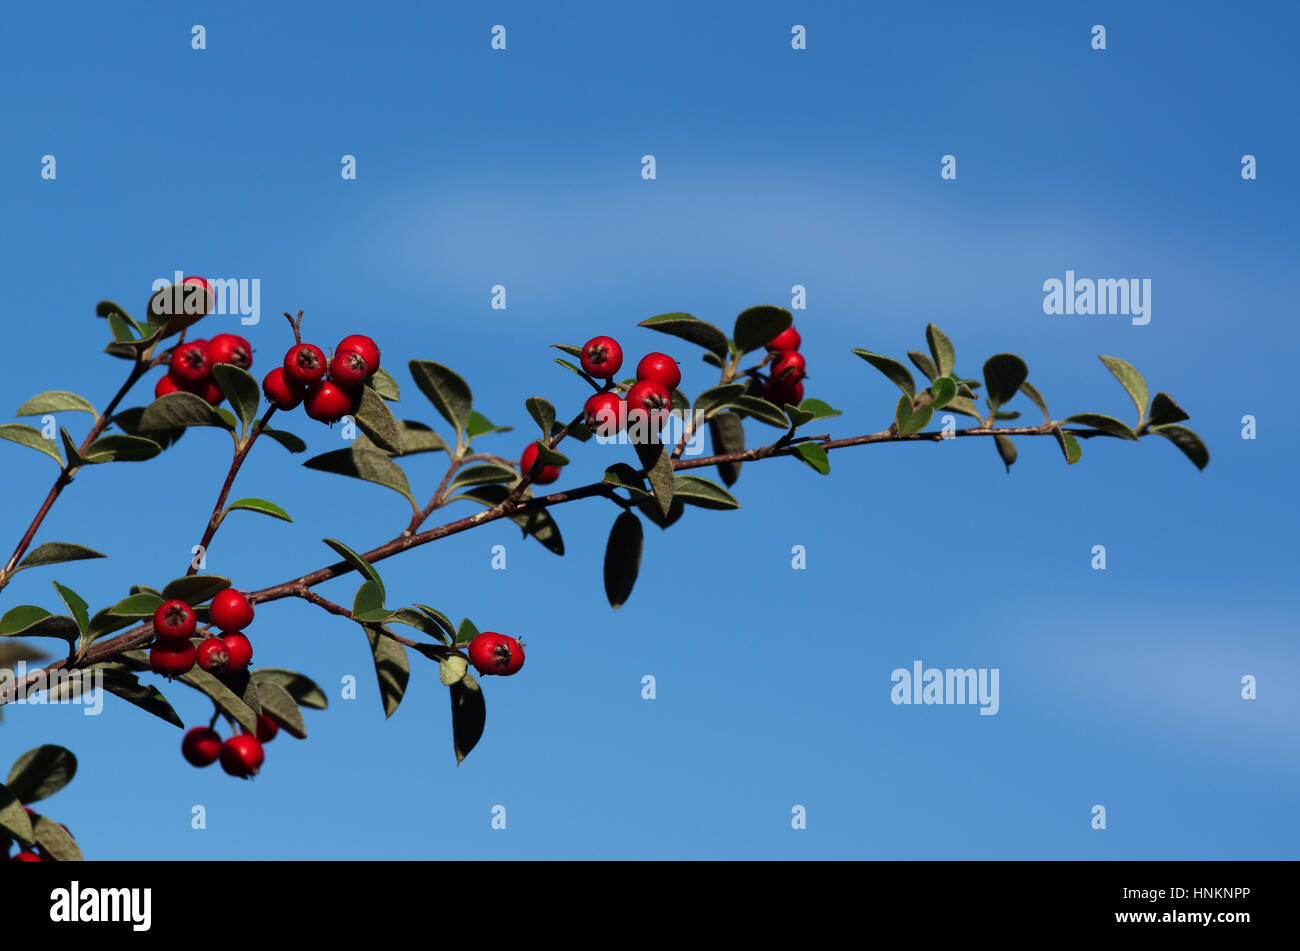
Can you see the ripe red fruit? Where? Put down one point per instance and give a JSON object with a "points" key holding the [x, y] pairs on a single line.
{"points": [[202, 282], [282, 390], [546, 475], [328, 402], [230, 611], [201, 746], [363, 345], [349, 367], [490, 653], [659, 368], [788, 367], [787, 339], [603, 413], [171, 657], [242, 755], [232, 349], [212, 655], [781, 393], [516, 656], [240, 650], [266, 728], [648, 403], [164, 386], [190, 362], [305, 363], [174, 619], [601, 357], [26, 857]]}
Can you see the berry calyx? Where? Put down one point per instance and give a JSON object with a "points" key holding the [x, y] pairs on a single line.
{"points": [[545, 475], [349, 367], [774, 391], [328, 402], [788, 367], [648, 404], [266, 728], [242, 755], [659, 368], [232, 349], [787, 339], [190, 362], [601, 357], [305, 363], [490, 653], [603, 413], [240, 650], [230, 610], [164, 386], [171, 658], [201, 746], [212, 655], [282, 390], [174, 619], [363, 345]]}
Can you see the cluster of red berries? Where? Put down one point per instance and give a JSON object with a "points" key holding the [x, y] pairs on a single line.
{"points": [[241, 755], [190, 368], [647, 401], [493, 653], [328, 388], [785, 384], [26, 854], [174, 651]]}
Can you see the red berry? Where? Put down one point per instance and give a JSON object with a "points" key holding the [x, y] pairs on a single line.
{"points": [[787, 339], [363, 345], [602, 356], [547, 474], [171, 657], [190, 362], [174, 620], [648, 403], [202, 282], [164, 386], [230, 611], [305, 363], [328, 402], [232, 349], [240, 650], [788, 367], [212, 655], [282, 390], [266, 728], [603, 413], [490, 653], [201, 746], [242, 755], [516, 656], [26, 857], [659, 368], [781, 393], [349, 367]]}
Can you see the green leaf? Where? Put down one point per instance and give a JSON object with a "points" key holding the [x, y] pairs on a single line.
{"points": [[1002, 415], [1069, 445], [757, 325], [105, 622], [223, 696], [279, 705], [711, 400], [702, 493], [924, 364], [124, 684], [1036, 398], [624, 476], [452, 668], [171, 309], [896, 372], [53, 553], [368, 605], [258, 505], [761, 410], [417, 437], [658, 466], [356, 561], [1107, 424], [814, 455], [392, 668], [943, 389], [578, 370], [75, 461], [691, 329], [449, 394], [56, 840], [465, 632], [194, 589], [423, 621], [241, 389], [817, 409], [1187, 441], [727, 434], [547, 456], [109, 309], [56, 401], [286, 439], [121, 448], [542, 412], [1164, 410], [137, 605], [177, 410], [383, 383], [367, 465], [28, 620], [568, 348], [484, 474], [941, 349], [622, 558], [302, 688], [41, 772], [76, 606], [649, 507], [1130, 379], [377, 422], [441, 620], [1003, 375], [13, 817], [911, 421], [31, 437], [964, 406], [468, 715], [479, 425], [1006, 449]]}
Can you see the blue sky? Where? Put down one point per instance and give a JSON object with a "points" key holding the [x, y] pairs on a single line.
{"points": [[775, 167]]}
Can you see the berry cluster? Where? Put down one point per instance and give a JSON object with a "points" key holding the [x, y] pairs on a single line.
{"points": [[190, 368], [175, 651], [493, 653], [29, 852], [328, 387], [785, 384], [241, 755], [647, 402]]}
